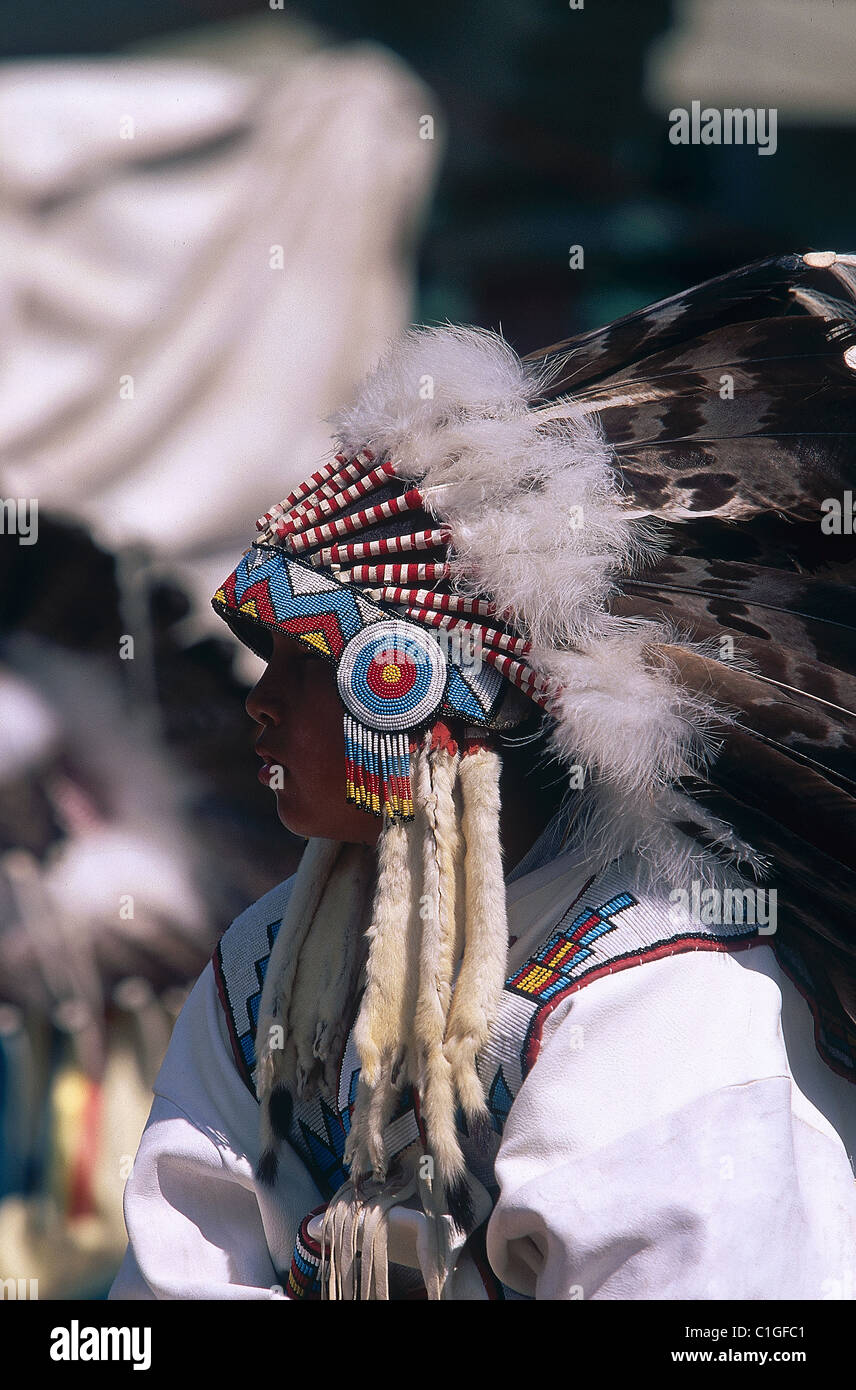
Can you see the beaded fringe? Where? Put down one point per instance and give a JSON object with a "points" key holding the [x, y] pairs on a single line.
{"points": [[377, 771]]}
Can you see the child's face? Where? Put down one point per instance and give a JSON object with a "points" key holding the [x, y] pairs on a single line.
{"points": [[302, 745]]}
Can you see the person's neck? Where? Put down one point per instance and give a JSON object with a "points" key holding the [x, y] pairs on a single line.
{"points": [[530, 797]]}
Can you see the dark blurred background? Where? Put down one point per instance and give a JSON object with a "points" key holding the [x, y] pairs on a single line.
{"points": [[557, 135]]}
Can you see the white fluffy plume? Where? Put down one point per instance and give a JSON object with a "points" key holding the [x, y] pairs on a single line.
{"points": [[539, 525], [534, 508]]}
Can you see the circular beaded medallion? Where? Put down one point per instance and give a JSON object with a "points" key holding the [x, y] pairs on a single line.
{"points": [[392, 676]]}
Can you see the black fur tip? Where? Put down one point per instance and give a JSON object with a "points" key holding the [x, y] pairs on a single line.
{"points": [[460, 1204], [481, 1131], [280, 1108], [267, 1167]]}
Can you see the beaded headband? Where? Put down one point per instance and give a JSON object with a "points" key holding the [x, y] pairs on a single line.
{"points": [[406, 655]]}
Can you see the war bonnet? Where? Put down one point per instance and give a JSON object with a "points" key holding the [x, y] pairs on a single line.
{"points": [[494, 536]]}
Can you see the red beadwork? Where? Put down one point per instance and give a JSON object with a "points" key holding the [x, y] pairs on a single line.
{"points": [[379, 676]]}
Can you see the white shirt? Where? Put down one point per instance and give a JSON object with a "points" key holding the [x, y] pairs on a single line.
{"points": [[678, 1137]]}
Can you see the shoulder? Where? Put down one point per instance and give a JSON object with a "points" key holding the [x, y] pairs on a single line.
{"points": [[599, 958], [646, 990], [602, 925], [239, 963]]}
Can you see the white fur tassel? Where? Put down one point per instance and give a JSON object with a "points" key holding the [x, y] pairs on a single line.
{"points": [[441, 848], [329, 961], [378, 1029], [478, 988], [382, 1028], [316, 866]]}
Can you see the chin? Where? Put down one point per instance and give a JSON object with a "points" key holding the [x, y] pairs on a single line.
{"points": [[300, 821], [307, 822], [344, 822]]}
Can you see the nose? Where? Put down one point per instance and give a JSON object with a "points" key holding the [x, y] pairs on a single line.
{"points": [[263, 703]]}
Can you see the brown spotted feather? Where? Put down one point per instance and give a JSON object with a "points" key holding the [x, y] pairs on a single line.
{"points": [[731, 410]]}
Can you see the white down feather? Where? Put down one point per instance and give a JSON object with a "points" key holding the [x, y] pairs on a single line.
{"points": [[540, 527]]}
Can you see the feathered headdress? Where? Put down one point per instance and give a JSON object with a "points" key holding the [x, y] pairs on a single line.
{"points": [[498, 535]]}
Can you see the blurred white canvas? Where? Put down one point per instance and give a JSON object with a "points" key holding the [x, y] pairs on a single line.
{"points": [[199, 258]]}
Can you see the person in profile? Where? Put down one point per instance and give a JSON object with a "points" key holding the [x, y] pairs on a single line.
{"points": [[559, 1003]]}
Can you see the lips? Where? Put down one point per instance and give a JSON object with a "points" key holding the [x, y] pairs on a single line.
{"points": [[269, 763]]}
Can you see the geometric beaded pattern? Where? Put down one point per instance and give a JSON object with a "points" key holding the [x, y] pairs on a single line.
{"points": [[359, 508], [240, 961], [284, 595], [605, 929], [303, 1276], [557, 963]]}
